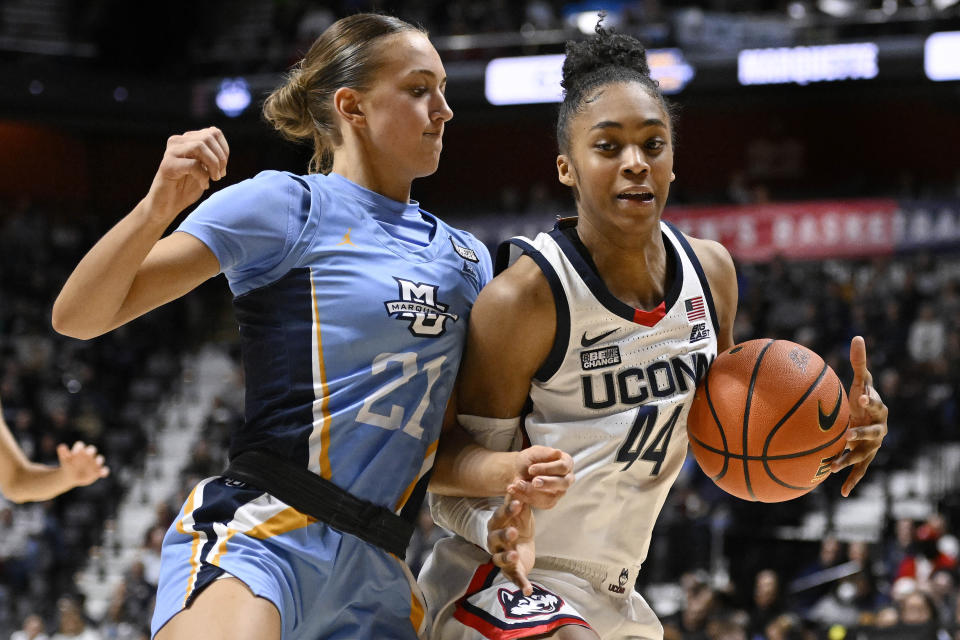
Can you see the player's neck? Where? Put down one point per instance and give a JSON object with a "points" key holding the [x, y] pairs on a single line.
{"points": [[360, 170], [634, 268]]}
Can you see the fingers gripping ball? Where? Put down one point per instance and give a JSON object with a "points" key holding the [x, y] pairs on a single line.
{"points": [[767, 420]]}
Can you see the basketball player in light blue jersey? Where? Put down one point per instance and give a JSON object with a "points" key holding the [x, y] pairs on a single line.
{"points": [[593, 342], [352, 304]]}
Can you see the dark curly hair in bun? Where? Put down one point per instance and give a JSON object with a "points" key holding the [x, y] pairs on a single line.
{"points": [[602, 59]]}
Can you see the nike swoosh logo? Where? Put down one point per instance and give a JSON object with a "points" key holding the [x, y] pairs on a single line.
{"points": [[589, 342], [827, 420]]}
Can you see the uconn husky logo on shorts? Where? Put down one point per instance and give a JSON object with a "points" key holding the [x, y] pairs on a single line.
{"points": [[517, 605], [418, 303]]}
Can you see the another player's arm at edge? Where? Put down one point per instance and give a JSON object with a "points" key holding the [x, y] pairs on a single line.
{"points": [[722, 277], [512, 327], [25, 481]]}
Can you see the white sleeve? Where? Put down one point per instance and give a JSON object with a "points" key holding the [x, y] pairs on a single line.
{"points": [[468, 517]]}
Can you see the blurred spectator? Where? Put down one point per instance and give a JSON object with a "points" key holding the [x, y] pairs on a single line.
{"points": [[784, 627], [73, 624], [767, 603], [690, 623], [955, 623], [900, 546], [918, 614], [539, 15], [927, 339], [727, 629], [943, 592], [829, 556], [888, 616], [150, 553], [928, 557], [131, 607], [853, 601], [32, 629], [14, 548]]}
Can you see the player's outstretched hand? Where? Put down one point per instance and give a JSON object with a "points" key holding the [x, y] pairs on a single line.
{"points": [[510, 541], [543, 476], [868, 420], [81, 465], [190, 161]]}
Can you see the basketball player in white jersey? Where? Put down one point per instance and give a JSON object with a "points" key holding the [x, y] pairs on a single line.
{"points": [[592, 342]]}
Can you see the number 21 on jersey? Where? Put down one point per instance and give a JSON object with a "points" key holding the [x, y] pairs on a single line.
{"points": [[400, 389]]}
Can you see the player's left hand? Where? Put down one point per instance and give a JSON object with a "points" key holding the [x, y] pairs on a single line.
{"points": [[868, 420], [81, 464], [510, 540], [543, 475]]}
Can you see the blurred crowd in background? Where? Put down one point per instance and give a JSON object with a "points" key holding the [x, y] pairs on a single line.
{"points": [[251, 36], [106, 390], [719, 568]]}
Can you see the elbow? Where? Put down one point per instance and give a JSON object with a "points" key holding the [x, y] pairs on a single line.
{"points": [[13, 491], [15, 497], [66, 323]]}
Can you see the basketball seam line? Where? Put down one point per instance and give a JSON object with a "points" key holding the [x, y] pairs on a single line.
{"points": [[716, 420], [782, 456], [746, 416], [783, 420], [824, 446]]}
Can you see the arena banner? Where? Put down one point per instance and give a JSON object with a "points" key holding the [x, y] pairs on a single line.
{"points": [[927, 224], [815, 229], [796, 230]]}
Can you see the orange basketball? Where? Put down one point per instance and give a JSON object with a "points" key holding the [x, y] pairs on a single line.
{"points": [[767, 420]]}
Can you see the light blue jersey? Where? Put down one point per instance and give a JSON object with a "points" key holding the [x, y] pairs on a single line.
{"points": [[351, 339]]}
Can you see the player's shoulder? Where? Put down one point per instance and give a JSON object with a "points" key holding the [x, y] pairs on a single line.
{"points": [[520, 290], [721, 274], [272, 179], [514, 320], [267, 187], [465, 243], [713, 256]]}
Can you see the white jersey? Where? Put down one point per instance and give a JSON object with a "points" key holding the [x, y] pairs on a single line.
{"points": [[614, 393]]}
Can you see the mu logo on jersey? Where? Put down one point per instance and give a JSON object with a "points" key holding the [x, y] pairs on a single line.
{"points": [[418, 303]]}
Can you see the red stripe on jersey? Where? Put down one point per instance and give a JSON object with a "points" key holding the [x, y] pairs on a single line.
{"points": [[499, 633], [479, 577], [650, 318]]}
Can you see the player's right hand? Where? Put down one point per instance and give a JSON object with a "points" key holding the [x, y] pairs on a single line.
{"points": [[190, 161], [544, 475], [81, 464], [510, 534]]}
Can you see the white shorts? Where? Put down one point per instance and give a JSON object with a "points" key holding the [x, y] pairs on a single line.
{"points": [[471, 599]]}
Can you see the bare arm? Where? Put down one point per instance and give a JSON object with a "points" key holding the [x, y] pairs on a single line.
{"points": [[512, 326], [23, 481], [722, 276], [130, 270]]}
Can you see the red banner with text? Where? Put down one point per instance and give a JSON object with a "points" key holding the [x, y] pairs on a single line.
{"points": [[816, 229]]}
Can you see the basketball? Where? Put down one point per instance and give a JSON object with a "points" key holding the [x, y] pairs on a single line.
{"points": [[767, 420]]}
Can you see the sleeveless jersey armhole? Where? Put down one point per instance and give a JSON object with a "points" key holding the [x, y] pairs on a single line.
{"points": [[700, 274], [561, 339]]}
